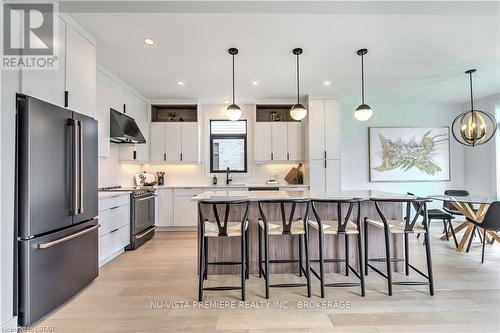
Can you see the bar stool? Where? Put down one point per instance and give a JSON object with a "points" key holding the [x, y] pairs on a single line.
{"points": [[291, 223], [406, 226], [340, 225], [211, 226]]}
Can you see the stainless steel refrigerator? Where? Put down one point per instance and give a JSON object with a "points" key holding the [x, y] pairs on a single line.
{"points": [[56, 220]]}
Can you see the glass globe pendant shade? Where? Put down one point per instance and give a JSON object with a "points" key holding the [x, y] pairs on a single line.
{"points": [[233, 112], [473, 128], [298, 112], [363, 112]]}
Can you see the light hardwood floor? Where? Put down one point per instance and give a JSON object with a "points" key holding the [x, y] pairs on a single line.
{"points": [[124, 296]]}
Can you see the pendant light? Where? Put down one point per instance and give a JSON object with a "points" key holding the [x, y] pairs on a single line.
{"points": [[233, 111], [364, 111], [298, 111], [473, 127]]}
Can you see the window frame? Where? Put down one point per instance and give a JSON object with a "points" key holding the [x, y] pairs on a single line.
{"points": [[228, 136]]}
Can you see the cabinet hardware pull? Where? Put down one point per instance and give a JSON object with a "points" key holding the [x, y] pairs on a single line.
{"points": [[114, 230], [288, 156], [135, 155], [124, 108], [325, 154], [66, 98], [272, 157], [181, 156], [325, 164], [164, 156], [115, 207]]}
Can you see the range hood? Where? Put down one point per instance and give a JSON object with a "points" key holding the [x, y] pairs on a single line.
{"points": [[124, 129]]}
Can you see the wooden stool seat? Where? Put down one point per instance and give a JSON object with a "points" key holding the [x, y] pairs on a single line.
{"points": [[233, 229], [397, 226], [331, 227], [276, 227]]}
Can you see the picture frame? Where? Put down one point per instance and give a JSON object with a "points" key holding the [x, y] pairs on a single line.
{"points": [[409, 154]]}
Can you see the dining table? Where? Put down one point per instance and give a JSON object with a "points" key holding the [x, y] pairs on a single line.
{"points": [[473, 207]]}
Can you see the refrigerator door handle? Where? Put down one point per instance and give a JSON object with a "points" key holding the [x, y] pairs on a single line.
{"points": [[80, 167], [74, 176], [67, 238]]}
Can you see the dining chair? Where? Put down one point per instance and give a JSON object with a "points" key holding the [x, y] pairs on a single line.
{"points": [[211, 225], [284, 218], [451, 209], [438, 214], [490, 222], [408, 225]]}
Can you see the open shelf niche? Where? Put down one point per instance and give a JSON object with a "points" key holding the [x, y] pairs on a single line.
{"points": [[273, 112], [174, 113]]}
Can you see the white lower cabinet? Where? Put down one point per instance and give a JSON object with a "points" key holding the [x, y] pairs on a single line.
{"points": [[114, 233], [165, 217], [185, 210]]}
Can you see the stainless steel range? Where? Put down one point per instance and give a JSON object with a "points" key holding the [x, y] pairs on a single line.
{"points": [[142, 213]]}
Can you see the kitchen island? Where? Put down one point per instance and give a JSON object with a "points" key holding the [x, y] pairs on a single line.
{"points": [[285, 247]]}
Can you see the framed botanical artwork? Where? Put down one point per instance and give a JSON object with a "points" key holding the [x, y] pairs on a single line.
{"points": [[409, 154]]}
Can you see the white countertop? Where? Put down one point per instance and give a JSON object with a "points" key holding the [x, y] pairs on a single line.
{"points": [[283, 195], [235, 185]]}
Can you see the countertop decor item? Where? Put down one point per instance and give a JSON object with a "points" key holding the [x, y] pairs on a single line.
{"points": [[161, 177], [298, 111], [295, 175], [364, 111], [214, 180], [233, 111], [474, 127], [403, 154], [145, 179]]}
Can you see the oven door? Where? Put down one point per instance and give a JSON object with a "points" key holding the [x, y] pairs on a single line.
{"points": [[143, 213]]}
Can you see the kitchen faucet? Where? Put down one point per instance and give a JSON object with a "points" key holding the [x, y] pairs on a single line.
{"points": [[228, 177]]}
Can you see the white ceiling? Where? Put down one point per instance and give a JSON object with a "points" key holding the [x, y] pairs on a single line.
{"points": [[415, 53]]}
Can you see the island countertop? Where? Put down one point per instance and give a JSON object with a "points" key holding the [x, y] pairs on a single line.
{"points": [[364, 195]]}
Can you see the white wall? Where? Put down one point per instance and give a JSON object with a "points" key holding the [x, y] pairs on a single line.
{"points": [[355, 173], [480, 161]]}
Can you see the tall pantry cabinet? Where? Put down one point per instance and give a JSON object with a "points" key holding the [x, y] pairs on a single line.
{"points": [[324, 145]]}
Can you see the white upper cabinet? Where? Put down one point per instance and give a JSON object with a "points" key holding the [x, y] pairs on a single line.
{"points": [[324, 129], [332, 129], [49, 85], [117, 97], [158, 143], [263, 141], [175, 142], [80, 72], [102, 112], [76, 72], [173, 137], [189, 142], [295, 144], [278, 141]]}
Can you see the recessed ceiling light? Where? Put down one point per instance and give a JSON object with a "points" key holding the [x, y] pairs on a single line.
{"points": [[180, 83], [255, 83], [327, 83], [149, 41]]}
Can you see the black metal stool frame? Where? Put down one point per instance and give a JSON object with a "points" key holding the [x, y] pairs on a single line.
{"points": [[409, 224], [303, 244], [341, 230], [222, 228]]}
